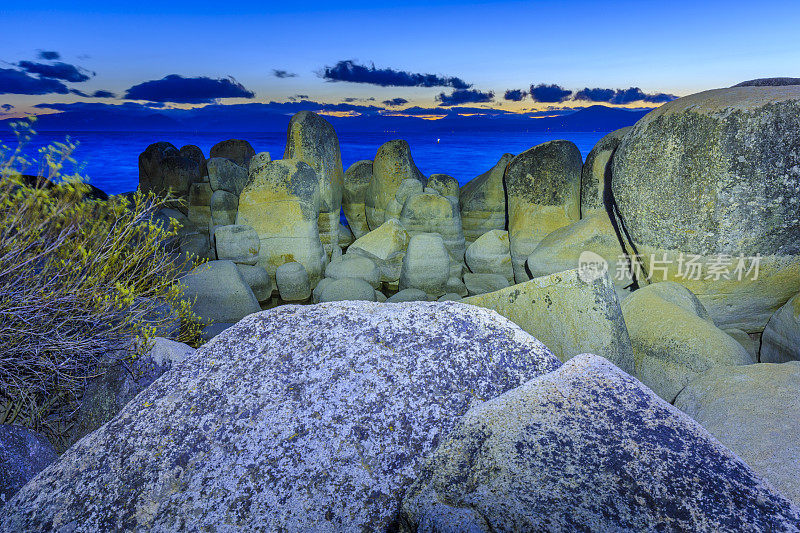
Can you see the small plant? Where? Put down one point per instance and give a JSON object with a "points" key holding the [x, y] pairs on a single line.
{"points": [[84, 282]]}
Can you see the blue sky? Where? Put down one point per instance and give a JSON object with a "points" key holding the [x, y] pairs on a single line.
{"points": [[674, 48]]}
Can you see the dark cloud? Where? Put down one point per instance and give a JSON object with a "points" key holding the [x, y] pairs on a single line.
{"points": [[48, 55], [283, 73], [298, 97], [622, 96], [56, 71], [16, 82], [104, 94], [7, 107], [177, 89], [464, 96], [549, 93], [395, 102], [388, 77], [515, 95]]}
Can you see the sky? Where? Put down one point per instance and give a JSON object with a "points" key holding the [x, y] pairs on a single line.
{"points": [[516, 56]]}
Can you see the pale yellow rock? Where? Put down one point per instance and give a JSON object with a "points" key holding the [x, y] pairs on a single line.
{"points": [[392, 165], [543, 194], [781, 339], [490, 254], [386, 246], [596, 172], [572, 246], [672, 344], [312, 139], [434, 213], [281, 203], [569, 315], [406, 189], [426, 265], [483, 201]]}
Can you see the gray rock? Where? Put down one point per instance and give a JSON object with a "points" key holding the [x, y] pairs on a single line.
{"points": [[224, 207], [292, 281], [380, 297], [356, 182], [769, 82], [408, 295], [257, 278], [257, 163], [588, 448], [346, 237], [219, 292], [238, 242], [426, 265], [748, 342], [347, 289], [755, 411], [434, 213], [355, 266], [483, 283], [692, 177], [543, 194], [449, 297], [23, 454], [200, 204], [237, 150], [196, 244], [317, 292], [569, 314], [194, 153], [483, 201], [225, 175], [162, 168], [296, 419], [596, 171], [312, 139], [780, 341], [672, 342], [106, 394]]}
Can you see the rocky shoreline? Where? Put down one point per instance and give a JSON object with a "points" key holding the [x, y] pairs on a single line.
{"points": [[557, 345]]}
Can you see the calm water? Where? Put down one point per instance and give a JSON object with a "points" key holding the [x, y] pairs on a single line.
{"points": [[111, 159]]}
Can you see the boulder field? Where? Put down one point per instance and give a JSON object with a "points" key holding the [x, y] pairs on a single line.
{"points": [[556, 345]]}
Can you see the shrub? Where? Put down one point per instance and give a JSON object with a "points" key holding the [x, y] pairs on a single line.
{"points": [[84, 282]]}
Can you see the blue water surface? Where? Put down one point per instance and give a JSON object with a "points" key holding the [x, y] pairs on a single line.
{"points": [[110, 159]]}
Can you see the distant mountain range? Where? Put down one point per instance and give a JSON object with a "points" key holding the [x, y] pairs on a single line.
{"points": [[275, 117]]}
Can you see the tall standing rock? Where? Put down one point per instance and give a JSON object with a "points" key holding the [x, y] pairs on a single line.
{"points": [[717, 175], [543, 192], [356, 182], [596, 172], [483, 201], [426, 265], [312, 139], [281, 203], [302, 418], [195, 154], [392, 165], [237, 150]]}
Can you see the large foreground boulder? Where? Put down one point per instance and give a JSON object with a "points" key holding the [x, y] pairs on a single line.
{"points": [[755, 411], [312, 139], [543, 193], [674, 339], [569, 314], [588, 448], [23, 454], [483, 201], [296, 419], [717, 174]]}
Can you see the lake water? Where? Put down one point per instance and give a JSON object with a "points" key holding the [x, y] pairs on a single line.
{"points": [[111, 158]]}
